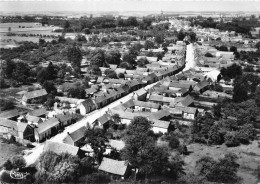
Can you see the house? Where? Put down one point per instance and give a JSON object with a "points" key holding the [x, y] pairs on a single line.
{"points": [[183, 101], [46, 129], [25, 131], [17, 129], [160, 126], [76, 137], [64, 119], [103, 120], [87, 106], [33, 119], [159, 115], [225, 55], [60, 148], [182, 92], [115, 167], [38, 113], [146, 106], [187, 112], [34, 95], [126, 116], [10, 114], [201, 86], [100, 101]]}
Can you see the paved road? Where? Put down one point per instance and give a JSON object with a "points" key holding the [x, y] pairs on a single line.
{"points": [[190, 59], [91, 117]]}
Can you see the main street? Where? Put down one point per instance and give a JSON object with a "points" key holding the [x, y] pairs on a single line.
{"points": [[91, 117]]}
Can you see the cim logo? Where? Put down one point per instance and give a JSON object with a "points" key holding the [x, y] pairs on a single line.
{"points": [[18, 175]]}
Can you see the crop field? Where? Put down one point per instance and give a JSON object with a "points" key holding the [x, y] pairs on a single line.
{"points": [[27, 28], [248, 158]]}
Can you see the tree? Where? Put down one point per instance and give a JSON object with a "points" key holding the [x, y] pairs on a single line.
{"points": [[8, 68], [58, 168], [231, 139], [78, 92], [159, 39], [121, 75], [173, 140], [97, 57], [225, 170], [148, 45], [66, 25], [245, 86], [130, 59], [233, 49], [94, 70], [18, 162], [21, 72], [142, 152], [222, 48], [215, 135], [208, 54], [50, 87], [181, 35], [111, 73], [74, 55], [192, 36], [231, 71], [98, 142], [113, 57], [142, 62]]}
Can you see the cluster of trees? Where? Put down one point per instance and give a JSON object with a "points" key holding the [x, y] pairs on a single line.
{"points": [[143, 154], [238, 25], [250, 56], [231, 72], [223, 170], [206, 129]]}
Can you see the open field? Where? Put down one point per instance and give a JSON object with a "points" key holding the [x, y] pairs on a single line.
{"points": [[27, 28], [249, 158], [9, 41], [8, 150]]}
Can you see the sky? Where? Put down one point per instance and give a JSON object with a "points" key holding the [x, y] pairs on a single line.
{"points": [[129, 5]]}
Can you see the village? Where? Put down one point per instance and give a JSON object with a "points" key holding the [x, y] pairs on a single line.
{"points": [[171, 87]]}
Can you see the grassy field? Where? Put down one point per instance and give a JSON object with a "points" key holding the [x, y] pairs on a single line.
{"points": [[249, 158], [9, 150]]}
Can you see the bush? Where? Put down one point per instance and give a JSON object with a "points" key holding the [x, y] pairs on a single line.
{"points": [[173, 140], [231, 139], [208, 54]]}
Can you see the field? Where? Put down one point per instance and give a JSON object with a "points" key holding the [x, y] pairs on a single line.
{"points": [[8, 150], [249, 158], [23, 28]]}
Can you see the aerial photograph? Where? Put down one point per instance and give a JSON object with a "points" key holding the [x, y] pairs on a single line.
{"points": [[129, 92]]}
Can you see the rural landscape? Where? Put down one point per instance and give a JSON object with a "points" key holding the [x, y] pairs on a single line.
{"points": [[130, 97]]}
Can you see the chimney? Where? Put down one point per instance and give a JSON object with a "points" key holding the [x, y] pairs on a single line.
{"points": [[68, 133]]}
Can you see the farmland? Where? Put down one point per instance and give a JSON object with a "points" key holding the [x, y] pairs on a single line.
{"points": [[32, 30]]}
